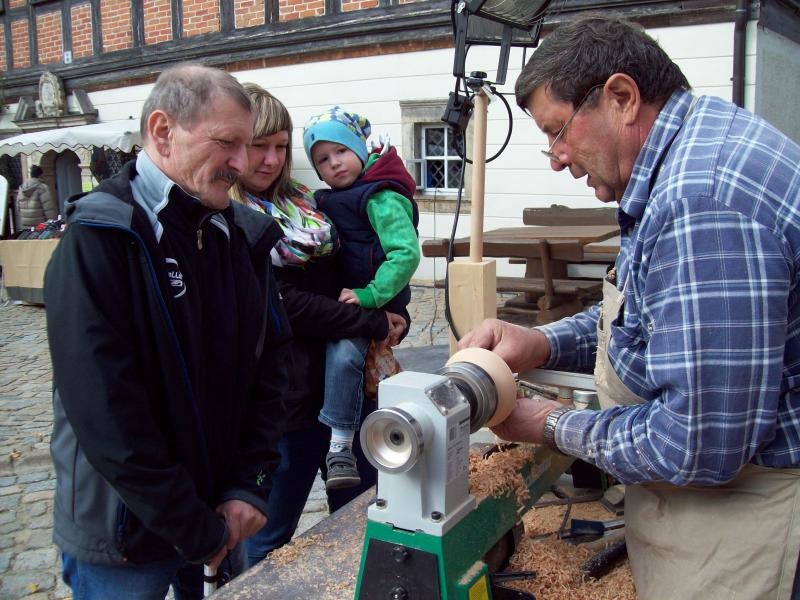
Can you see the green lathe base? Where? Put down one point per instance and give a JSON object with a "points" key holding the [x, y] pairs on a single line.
{"points": [[411, 565]]}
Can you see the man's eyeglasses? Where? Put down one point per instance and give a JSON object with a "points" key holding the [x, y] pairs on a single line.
{"points": [[549, 152]]}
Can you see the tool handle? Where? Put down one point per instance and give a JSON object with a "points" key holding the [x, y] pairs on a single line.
{"points": [[605, 560], [209, 580]]}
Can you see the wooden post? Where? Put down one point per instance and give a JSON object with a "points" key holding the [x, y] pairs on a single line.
{"points": [[478, 177], [472, 287], [552, 307]]}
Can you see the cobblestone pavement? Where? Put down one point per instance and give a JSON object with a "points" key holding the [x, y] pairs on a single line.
{"points": [[29, 562]]}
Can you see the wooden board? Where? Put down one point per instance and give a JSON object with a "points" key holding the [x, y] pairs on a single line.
{"points": [[565, 216], [533, 285], [324, 567], [566, 243]]}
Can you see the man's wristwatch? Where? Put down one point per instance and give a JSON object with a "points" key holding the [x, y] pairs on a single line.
{"points": [[549, 433]]}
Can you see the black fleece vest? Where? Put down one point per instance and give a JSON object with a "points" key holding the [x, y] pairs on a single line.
{"points": [[361, 253]]}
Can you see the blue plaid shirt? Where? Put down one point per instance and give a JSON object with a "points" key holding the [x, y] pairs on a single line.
{"points": [[709, 334]]}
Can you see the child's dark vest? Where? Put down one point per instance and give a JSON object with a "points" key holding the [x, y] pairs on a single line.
{"points": [[360, 253]]}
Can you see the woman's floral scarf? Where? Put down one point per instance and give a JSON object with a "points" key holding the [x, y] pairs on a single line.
{"points": [[307, 233]]}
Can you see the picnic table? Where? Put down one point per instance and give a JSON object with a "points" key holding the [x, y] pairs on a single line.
{"points": [[546, 251]]}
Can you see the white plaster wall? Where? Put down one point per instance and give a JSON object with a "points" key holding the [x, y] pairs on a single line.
{"points": [[521, 177]]}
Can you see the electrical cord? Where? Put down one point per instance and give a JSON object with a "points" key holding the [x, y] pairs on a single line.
{"points": [[447, 314], [508, 133]]}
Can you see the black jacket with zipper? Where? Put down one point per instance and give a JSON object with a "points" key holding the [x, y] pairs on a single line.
{"points": [[310, 296], [167, 376]]}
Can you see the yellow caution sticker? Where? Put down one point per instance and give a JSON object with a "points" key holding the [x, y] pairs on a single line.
{"points": [[479, 590]]}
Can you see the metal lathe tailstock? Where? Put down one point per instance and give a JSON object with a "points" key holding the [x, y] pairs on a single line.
{"points": [[425, 537]]}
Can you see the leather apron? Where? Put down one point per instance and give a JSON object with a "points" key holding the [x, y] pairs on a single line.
{"points": [[737, 541]]}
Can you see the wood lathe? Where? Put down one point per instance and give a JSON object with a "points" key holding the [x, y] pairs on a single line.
{"points": [[426, 536], [422, 535]]}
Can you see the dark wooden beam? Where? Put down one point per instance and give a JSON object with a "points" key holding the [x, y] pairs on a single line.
{"points": [[177, 19], [66, 26], [137, 23], [227, 18], [292, 38], [97, 34], [271, 11], [342, 32], [32, 47], [9, 48]]}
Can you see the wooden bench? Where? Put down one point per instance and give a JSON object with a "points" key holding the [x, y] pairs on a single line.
{"points": [[554, 297], [556, 249], [546, 252], [561, 287], [536, 286], [561, 215], [600, 253]]}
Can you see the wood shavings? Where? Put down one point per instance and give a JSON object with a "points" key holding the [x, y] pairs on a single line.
{"points": [[499, 473], [471, 573], [558, 573], [558, 564], [292, 550], [545, 520]]}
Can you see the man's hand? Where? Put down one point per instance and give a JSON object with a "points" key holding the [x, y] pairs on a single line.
{"points": [[348, 297], [521, 348], [215, 562], [397, 325], [242, 520], [526, 421]]}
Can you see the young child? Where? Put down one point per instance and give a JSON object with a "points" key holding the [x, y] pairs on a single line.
{"points": [[371, 203]]}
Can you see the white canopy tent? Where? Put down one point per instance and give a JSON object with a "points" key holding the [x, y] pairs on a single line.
{"points": [[115, 135]]}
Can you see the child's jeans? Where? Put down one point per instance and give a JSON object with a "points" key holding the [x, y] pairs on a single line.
{"points": [[344, 383]]}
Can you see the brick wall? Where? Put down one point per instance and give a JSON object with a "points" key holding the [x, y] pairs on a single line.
{"points": [[20, 44], [348, 5], [200, 16], [300, 9], [157, 21], [115, 24], [81, 24], [249, 13], [115, 17], [49, 37]]}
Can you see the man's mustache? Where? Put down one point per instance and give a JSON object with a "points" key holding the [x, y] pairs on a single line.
{"points": [[228, 176]]}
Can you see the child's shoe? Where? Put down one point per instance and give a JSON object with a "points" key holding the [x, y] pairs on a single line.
{"points": [[342, 470]]}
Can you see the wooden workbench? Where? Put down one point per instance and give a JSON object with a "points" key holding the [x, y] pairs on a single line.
{"points": [[322, 563]]}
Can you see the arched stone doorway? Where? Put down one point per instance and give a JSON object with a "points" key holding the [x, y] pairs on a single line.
{"points": [[62, 172]]}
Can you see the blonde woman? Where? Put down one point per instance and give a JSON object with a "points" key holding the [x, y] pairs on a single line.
{"points": [[307, 284]]}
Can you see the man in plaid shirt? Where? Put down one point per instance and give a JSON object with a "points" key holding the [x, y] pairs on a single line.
{"points": [[696, 346]]}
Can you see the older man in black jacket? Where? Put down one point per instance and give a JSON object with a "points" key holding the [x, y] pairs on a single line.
{"points": [[166, 336]]}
